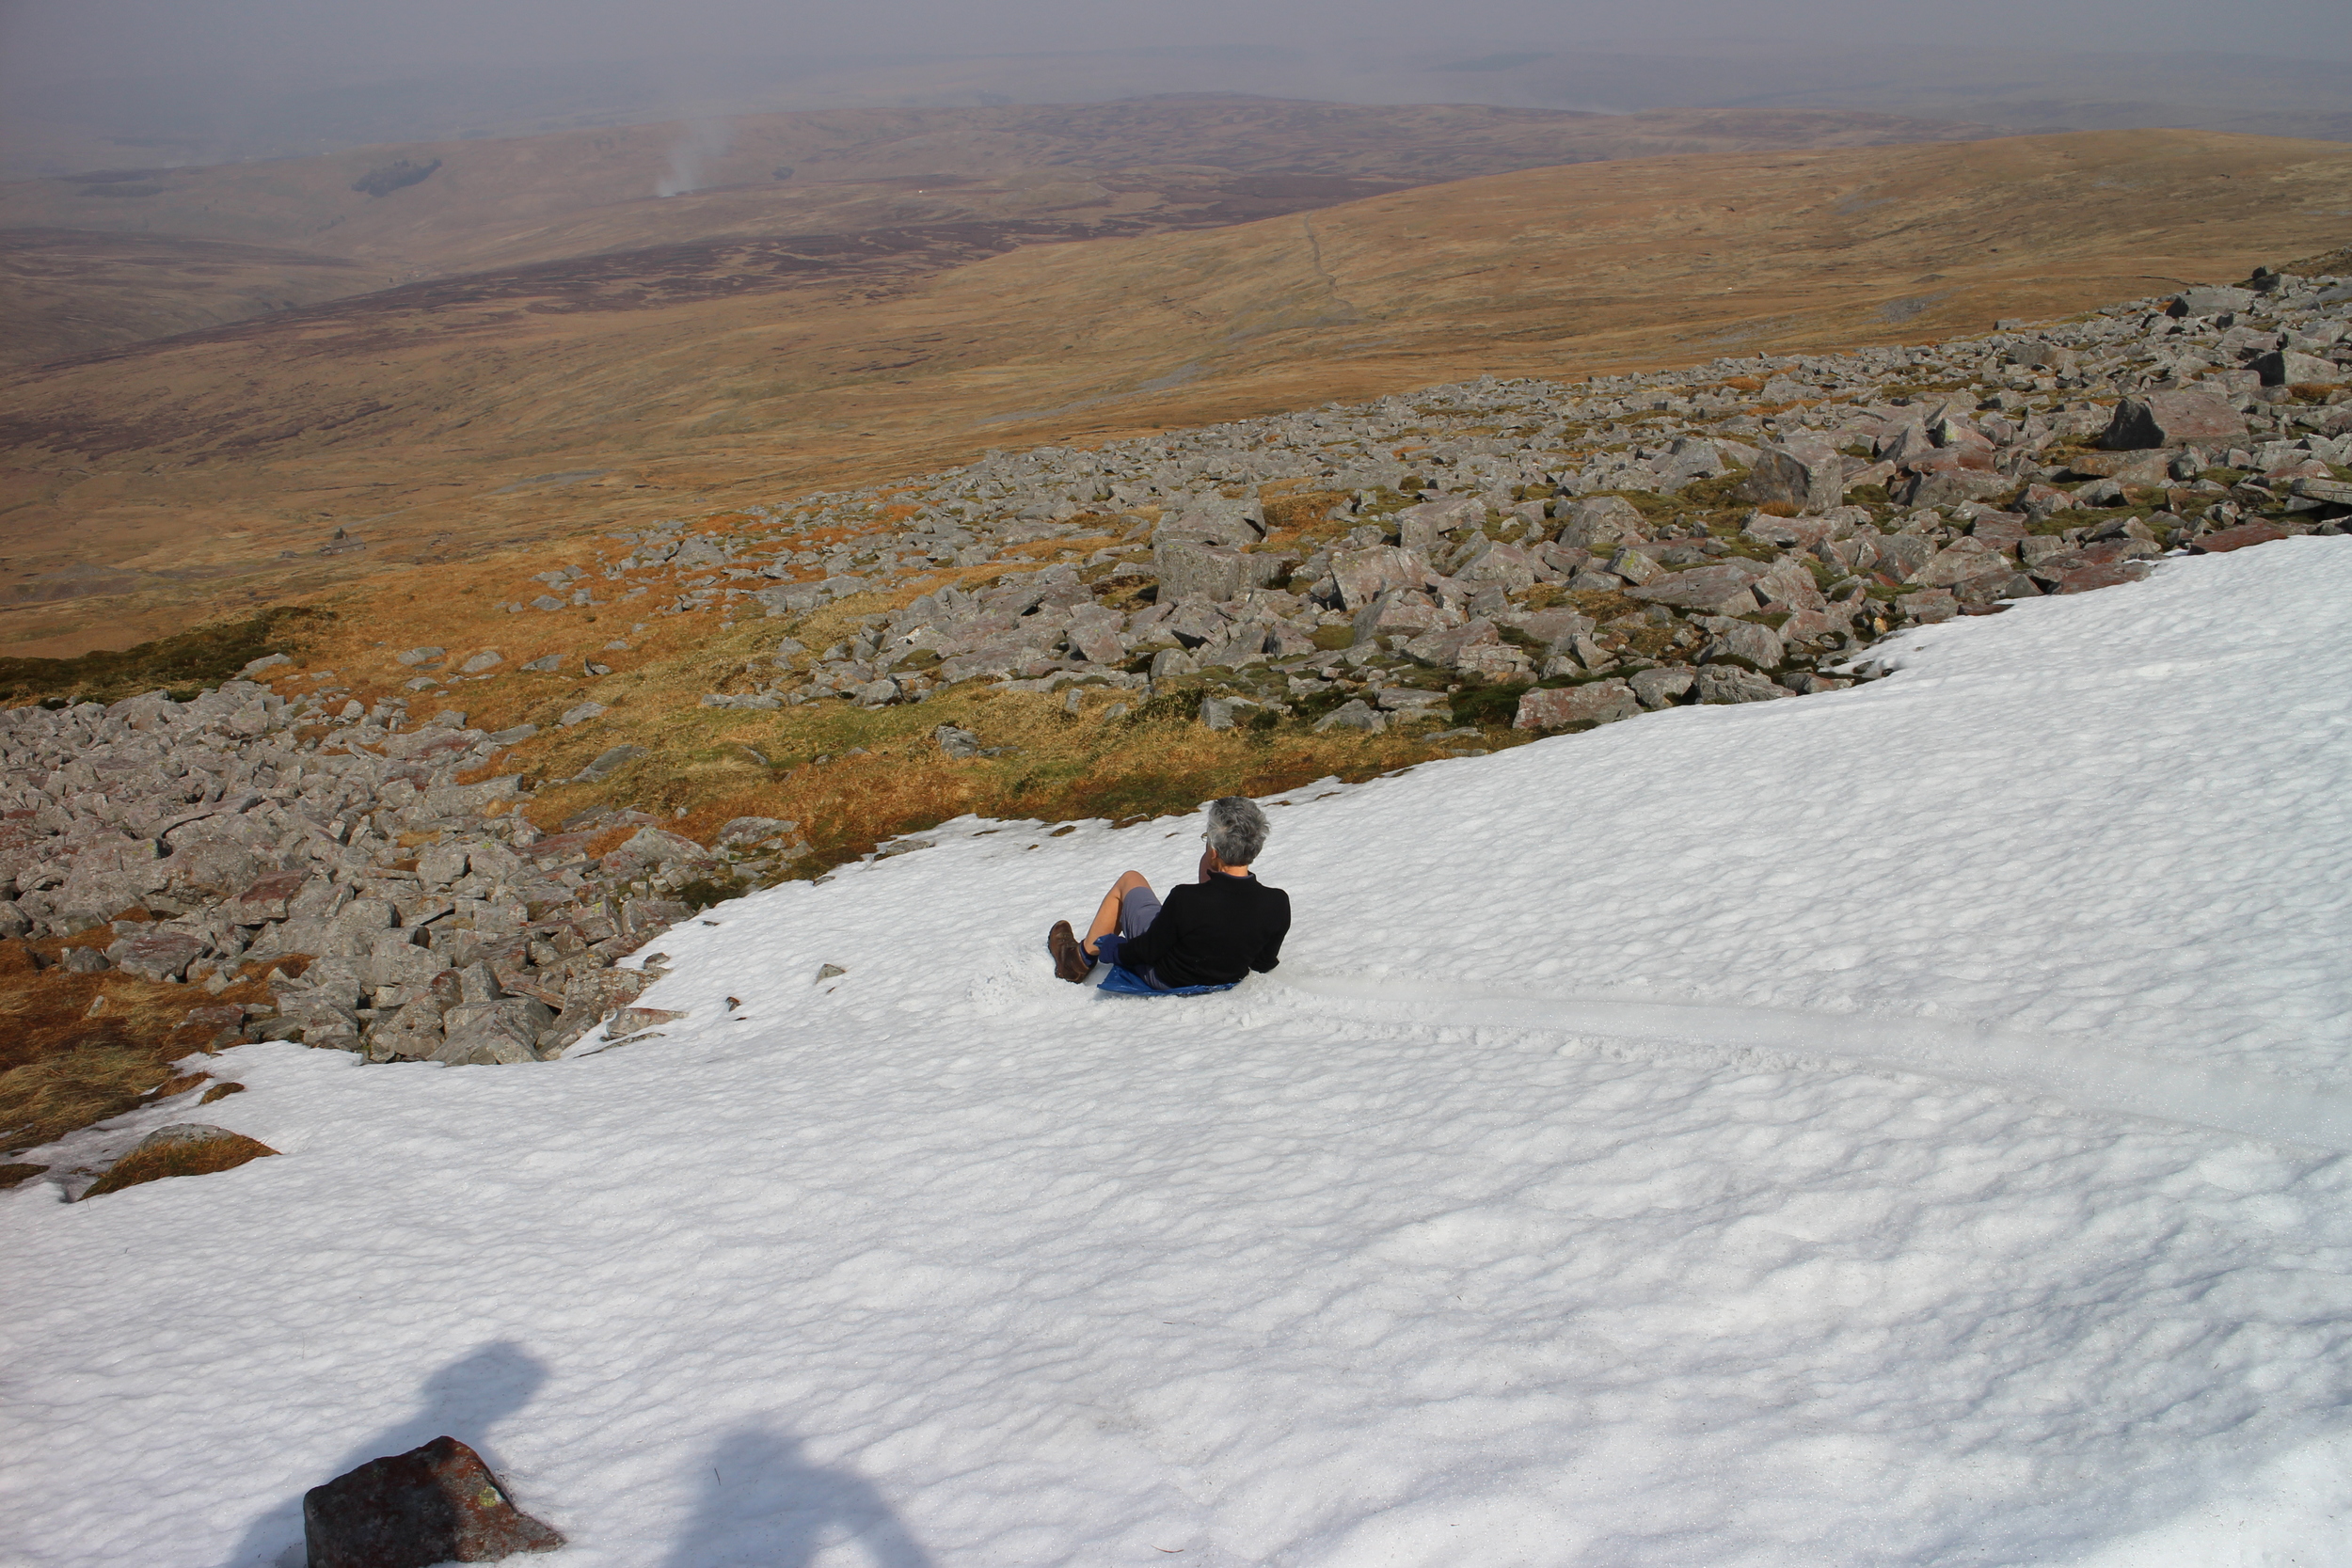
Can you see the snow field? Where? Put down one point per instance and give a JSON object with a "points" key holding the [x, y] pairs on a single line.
{"points": [[1696, 1142]]}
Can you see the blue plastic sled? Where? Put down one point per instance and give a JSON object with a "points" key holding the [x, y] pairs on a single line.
{"points": [[1126, 982]]}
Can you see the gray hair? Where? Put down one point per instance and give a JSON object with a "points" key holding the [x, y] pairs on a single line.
{"points": [[1237, 829]]}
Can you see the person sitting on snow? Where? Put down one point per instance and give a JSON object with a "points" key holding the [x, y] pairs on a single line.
{"points": [[1207, 936]]}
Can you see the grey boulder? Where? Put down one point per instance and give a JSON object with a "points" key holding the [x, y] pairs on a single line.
{"points": [[2286, 368], [1728, 683], [1724, 589], [1353, 715], [1555, 708], [1807, 474], [502, 1032], [1602, 519], [1657, 687], [1742, 641], [2173, 419]]}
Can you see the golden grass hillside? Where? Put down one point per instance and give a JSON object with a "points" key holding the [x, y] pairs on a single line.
{"points": [[210, 471]]}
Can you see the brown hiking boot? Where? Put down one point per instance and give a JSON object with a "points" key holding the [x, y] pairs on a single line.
{"points": [[1071, 963]]}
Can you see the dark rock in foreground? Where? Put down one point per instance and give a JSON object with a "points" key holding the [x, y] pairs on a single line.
{"points": [[435, 1504]]}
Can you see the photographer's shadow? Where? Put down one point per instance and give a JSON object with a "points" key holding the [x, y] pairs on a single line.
{"points": [[464, 1400], [764, 1505]]}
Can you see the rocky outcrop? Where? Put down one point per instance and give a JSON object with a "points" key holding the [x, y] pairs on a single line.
{"points": [[396, 911], [1453, 521]]}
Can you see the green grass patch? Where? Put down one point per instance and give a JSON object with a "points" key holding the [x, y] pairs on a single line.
{"points": [[1180, 706], [1488, 704], [1333, 639]]}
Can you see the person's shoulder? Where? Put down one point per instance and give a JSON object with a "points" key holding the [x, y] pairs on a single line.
{"points": [[1275, 894]]}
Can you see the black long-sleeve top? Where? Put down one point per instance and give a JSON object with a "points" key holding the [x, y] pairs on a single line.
{"points": [[1212, 933]]}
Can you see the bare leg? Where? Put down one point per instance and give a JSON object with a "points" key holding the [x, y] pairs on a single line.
{"points": [[1107, 918]]}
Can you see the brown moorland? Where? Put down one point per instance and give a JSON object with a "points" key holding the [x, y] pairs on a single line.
{"points": [[67, 291], [94, 260], [467, 205], [505, 411], [81, 1047]]}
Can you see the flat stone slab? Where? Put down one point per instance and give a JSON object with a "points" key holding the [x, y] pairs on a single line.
{"points": [[2237, 538]]}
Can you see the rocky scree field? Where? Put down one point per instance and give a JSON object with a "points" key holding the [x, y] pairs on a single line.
{"points": [[1113, 632]]}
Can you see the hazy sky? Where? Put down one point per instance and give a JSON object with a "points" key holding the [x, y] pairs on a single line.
{"points": [[101, 84], [56, 39]]}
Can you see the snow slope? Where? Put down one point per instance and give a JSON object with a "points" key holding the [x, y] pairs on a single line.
{"points": [[1901, 1126]]}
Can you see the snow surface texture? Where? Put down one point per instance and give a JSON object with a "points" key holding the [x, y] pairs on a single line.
{"points": [[1698, 1142]]}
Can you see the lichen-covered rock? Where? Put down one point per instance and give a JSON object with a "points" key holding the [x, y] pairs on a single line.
{"points": [[1963, 561], [2222, 541], [1724, 589], [2287, 367], [636, 1021], [1191, 569], [1420, 527], [1555, 708], [2209, 301], [758, 829], [655, 846], [158, 954]]}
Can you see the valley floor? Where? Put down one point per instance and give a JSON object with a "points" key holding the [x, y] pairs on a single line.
{"points": [[1985, 1204]]}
